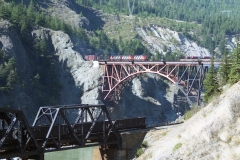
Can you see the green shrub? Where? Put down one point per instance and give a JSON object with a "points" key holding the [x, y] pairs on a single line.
{"points": [[144, 144], [177, 146], [139, 152]]}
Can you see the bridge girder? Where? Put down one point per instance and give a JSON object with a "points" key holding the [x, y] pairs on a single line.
{"points": [[188, 76], [15, 127], [53, 116], [55, 128]]}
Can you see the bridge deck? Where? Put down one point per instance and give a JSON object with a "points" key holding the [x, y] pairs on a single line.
{"points": [[184, 63]]}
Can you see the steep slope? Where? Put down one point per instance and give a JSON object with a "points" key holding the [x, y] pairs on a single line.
{"points": [[73, 13], [12, 45], [213, 133], [78, 77]]}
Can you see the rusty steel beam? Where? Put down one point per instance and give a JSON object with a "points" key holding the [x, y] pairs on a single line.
{"points": [[189, 75]]}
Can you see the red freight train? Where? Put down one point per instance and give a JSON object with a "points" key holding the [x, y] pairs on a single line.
{"points": [[117, 58], [129, 58], [90, 57]]}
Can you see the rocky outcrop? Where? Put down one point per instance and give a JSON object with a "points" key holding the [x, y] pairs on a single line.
{"points": [[164, 40], [74, 14], [12, 45], [151, 96], [80, 80]]}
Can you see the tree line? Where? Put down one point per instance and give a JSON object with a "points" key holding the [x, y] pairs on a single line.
{"points": [[43, 83], [228, 72], [8, 73], [217, 18]]}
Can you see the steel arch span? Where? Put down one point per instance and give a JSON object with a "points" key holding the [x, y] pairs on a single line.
{"points": [[187, 75]]}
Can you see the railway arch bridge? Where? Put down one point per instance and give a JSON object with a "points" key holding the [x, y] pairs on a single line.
{"points": [[188, 75]]}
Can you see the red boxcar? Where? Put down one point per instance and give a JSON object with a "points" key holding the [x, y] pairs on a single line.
{"points": [[128, 58], [90, 57]]}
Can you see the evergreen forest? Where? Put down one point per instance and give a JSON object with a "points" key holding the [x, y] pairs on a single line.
{"points": [[217, 18]]}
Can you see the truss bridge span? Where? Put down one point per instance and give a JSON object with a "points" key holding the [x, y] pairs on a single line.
{"points": [[188, 75], [58, 128]]}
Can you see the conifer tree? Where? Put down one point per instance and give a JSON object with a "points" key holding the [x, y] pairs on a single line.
{"points": [[30, 11], [210, 83], [224, 68], [234, 75]]}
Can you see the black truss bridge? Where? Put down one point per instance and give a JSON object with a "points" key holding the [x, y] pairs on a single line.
{"points": [[58, 128]]}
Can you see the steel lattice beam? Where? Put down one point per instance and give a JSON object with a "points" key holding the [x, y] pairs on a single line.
{"points": [[15, 128], [54, 116], [58, 128], [189, 76]]}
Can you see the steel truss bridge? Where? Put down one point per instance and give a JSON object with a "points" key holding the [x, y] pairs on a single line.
{"points": [[188, 75], [58, 128]]}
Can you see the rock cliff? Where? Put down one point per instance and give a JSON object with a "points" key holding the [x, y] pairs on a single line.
{"points": [[12, 45], [80, 81]]}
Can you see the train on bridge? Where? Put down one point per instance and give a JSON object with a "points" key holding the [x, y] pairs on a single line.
{"points": [[139, 58], [117, 58]]}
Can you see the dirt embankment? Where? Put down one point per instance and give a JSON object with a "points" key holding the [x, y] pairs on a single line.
{"points": [[213, 133]]}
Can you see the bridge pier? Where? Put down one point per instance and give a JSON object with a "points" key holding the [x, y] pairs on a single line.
{"points": [[130, 142]]}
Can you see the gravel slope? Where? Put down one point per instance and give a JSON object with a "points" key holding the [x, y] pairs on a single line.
{"points": [[212, 133]]}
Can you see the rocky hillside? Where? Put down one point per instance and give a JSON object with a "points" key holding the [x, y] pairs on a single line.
{"points": [[158, 38], [81, 82], [153, 32], [78, 78], [212, 133]]}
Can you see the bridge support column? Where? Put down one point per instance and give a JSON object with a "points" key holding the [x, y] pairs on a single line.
{"points": [[130, 142]]}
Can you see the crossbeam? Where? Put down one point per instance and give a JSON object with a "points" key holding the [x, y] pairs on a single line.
{"points": [[15, 128], [74, 117]]}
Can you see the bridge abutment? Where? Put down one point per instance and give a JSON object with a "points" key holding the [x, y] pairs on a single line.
{"points": [[130, 142]]}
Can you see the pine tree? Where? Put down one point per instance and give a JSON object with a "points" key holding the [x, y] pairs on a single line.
{"points": [[30, 12], [4, 12], [234, 75], [224, 68], [210, 83]]}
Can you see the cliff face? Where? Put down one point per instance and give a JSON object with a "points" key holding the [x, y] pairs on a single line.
{"points": [[158, 37], [79, 80], [12, 45], [151, 96]]}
